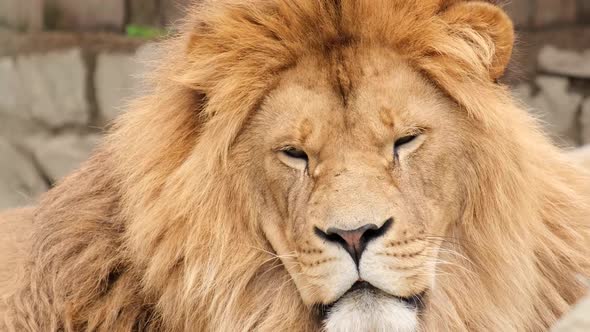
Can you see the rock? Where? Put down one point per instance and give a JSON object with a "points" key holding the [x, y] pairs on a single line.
{"points": [[565, 62], [145, 12], [54, 87], [119, 78], [585, 121], [60, 155], [174, 10], [23, 15], [578, 320], [21, 182], [557, 108], [523, 93], [16, 129], [114, 82], [12, 99], [551, 12], [519, 11], [16, 122], [584, 11], [85, 15]]}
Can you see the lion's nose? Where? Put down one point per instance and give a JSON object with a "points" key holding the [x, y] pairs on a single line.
{"points": [[355, 241]]}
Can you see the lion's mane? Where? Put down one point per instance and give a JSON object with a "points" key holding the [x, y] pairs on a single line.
{"points": [[158, 232]]}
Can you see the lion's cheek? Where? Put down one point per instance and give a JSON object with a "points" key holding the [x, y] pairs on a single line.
{"points": [[316, 281], [324, 280], [399, 276], [328, 280]]}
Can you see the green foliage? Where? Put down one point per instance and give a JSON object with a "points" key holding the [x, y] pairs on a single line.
{"points": [[141, 31]]}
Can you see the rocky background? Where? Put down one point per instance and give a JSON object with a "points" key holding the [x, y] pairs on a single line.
{"points": [[68, 66], [66, 69]]}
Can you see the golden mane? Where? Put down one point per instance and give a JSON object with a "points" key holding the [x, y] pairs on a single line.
{"points": [[158, 232]]}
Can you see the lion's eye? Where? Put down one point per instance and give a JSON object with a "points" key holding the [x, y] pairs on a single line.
{"points": [[295, 153], [405, 140], [293, 157], [402, 142]]}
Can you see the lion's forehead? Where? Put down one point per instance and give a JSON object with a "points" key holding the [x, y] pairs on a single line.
{"points": [[385, 93]]}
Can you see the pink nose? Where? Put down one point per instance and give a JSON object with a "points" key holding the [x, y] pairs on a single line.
{"points": [[354, 241]]}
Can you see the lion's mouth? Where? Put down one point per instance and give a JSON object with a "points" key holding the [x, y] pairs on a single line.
{"points": [[414, 302]]}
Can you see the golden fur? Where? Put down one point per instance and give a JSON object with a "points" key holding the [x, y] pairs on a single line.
{"points": [[167, 228], [582, 155], [14, 244]]}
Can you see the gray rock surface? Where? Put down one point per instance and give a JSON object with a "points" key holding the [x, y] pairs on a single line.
{"points": [[21, 14], [53, 86], [119, 78], [523, 93], [20, 181], [173, 10], [16, 129], [519, 11], [551, 12], [15, 116], [585, 121], [60, 155], [565, 62], [114, 82], [558, 108], [12, 92], [145, 12], [578, 320], [87, 14]]}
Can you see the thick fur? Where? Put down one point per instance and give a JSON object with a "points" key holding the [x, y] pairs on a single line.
{"points": [[16, 228], [157, 231], [582, 155]]}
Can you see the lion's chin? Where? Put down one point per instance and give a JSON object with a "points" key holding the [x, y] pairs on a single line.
{"points": [[369, 309]]}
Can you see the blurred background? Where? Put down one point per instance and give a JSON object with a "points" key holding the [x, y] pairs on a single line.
{"points": [[66, 67]]}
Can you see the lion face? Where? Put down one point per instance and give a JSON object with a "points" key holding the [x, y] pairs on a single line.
{"points": [[356, 160]]}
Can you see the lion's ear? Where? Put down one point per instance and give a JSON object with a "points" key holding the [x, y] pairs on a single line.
{"points": [[489, 21]]}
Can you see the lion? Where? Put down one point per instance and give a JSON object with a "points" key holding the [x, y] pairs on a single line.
{"points": [[305, 165]]}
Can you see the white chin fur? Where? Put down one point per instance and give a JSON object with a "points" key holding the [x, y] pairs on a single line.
{"points": [[368, 311]]}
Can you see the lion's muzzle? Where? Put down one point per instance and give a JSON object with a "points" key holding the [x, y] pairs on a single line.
{"points": [[354, 241]]}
